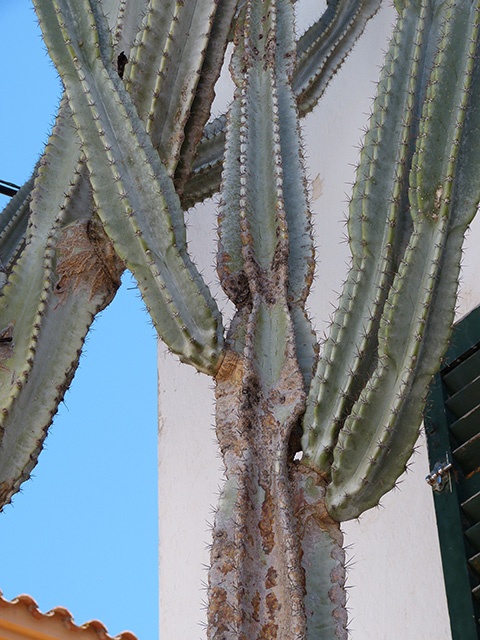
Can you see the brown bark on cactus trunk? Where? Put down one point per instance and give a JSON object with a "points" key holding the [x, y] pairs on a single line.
{"points": [[271, 524], [256, 582]]}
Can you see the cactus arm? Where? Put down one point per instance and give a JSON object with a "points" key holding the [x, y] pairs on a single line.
{"points": [[415, 327], [301, 252], [46, 325], [166, 63], [66, 318], [324, 47], [206, 171], [372, 225], [205, 90], [355, 481], [13, 225], [126, 174], [320, 51], [256, 466], [26, 287]]}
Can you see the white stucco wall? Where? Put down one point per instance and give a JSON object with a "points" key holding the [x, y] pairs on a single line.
{"points": [[395, 573]]}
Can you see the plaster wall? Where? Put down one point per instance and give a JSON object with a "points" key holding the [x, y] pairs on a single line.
{"points": [[396, 585]]}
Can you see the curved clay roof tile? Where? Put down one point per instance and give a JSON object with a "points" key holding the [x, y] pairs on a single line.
{"points": [[23, 620]]}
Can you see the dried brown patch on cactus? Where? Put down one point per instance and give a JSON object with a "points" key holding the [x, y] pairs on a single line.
{"points": [[266, 523], [87, 259], [256, 600], [235, 285], [228, 394], [220, 612], [269, 631], [311, 504], [271, 579], [230, 367], [6, 491]]}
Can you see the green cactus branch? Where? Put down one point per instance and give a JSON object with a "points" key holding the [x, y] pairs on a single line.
{"points": [[325, 45], [126, 173], [320, 52], [259, 205], [44, 319], [14, 222], [205, 90], [426, 254], [352, 339], [165, 67]]}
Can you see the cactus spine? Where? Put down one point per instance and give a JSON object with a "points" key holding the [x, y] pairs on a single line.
{"points": [[131, 149]]}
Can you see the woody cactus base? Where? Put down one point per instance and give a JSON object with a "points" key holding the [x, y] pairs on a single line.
{"points": [[133, 148]]}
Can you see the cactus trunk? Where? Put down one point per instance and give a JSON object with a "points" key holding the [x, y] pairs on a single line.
{"points": [[256, 583], [277, 562]]}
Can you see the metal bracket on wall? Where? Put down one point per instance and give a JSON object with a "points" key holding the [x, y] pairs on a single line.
{"points": [[439, 476]]}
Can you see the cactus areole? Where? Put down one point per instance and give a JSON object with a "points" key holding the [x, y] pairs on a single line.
{"points": [[133, 147]]}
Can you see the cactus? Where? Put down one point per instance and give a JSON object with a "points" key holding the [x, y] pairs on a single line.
{"points": [[133, 147]]}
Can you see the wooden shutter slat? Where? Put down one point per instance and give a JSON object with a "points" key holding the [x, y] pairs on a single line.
{"points": [[463, 373], [476, 593], [473, 536], [467, 426], [464, 400], [474, 562], [471, 508], [468, 455]]}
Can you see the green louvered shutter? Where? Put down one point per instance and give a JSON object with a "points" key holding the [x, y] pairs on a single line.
{"points": [[452, 425]]}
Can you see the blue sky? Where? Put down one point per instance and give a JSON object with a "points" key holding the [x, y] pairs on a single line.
{"points": [[83, 532]]}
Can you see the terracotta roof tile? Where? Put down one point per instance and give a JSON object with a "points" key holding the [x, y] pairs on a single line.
{"points": [[21, 619]]}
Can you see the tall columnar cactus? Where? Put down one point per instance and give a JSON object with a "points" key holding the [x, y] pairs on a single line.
{"points": [[132, 148]]}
